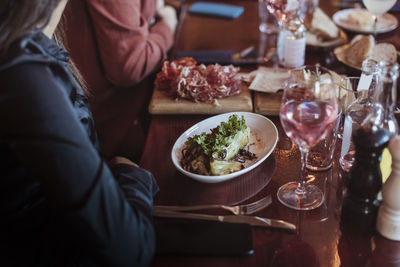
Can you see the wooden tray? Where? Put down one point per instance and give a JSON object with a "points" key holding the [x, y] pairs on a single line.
{"points": [[267, 103], [163, 104]]}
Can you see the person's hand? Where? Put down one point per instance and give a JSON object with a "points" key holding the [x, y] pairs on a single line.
{"points": [[121, 160], [168, 15]]}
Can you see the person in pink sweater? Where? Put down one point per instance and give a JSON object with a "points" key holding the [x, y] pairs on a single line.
{"points": [[117, 45]]}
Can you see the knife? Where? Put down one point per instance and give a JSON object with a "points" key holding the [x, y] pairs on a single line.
{"points": [[252, 220]]}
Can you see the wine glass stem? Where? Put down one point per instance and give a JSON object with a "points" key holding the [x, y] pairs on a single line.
{"points": [[302, 178], [375, 17]]}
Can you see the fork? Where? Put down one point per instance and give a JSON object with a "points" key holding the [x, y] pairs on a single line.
{"points": [[244, 209]]}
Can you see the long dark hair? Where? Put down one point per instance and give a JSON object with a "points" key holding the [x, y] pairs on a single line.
{"points": [[19, 17], [61, 40]]}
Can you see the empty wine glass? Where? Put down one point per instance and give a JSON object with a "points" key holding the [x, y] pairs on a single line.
{"points": [[378, 7], [308, 112]]}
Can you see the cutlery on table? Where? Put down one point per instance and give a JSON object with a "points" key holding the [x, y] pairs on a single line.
{"points": [[245, 55], [252, 220], [244, 209], [245, 52]]}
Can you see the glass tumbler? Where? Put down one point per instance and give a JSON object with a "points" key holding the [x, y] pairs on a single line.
{"points": [[355, 105]]}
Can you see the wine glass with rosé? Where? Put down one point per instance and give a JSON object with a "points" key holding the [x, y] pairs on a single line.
{"points": [[378, 7], [282, 9], [308, 112]]}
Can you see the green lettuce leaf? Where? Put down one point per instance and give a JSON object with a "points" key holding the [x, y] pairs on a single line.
{"points": [[224, 141]]}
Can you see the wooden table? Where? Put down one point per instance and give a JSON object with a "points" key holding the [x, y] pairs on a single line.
{"points": [[319, 240]]}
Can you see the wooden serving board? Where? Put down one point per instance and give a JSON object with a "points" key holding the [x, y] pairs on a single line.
{"points": [[161, 103], [267, 103]]}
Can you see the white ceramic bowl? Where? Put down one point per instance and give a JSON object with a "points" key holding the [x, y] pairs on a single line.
{"points": [[264, 135]]}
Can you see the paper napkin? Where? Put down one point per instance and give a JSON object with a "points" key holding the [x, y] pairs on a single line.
{"points": [[268, 79]]}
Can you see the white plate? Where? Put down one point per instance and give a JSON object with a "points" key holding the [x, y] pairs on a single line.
{"points": [[312, 40], [386, 22], [263, 133], [341, 55]]}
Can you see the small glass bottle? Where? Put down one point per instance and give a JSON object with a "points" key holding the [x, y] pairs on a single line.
{"points": [[292, 42], [369, 79], [385, 96]]}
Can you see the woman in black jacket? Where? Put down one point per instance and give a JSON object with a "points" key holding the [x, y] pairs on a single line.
{"points": [[60, 203]]}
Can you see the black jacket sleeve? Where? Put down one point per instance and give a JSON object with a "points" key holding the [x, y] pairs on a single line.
{"points": [[111, 222]]}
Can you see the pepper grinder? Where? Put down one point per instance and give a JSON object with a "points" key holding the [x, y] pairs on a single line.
{"points": [[388, 221], [364, 181]]}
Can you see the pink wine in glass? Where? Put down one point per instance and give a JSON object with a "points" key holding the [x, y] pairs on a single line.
{"points": [[277, 8], [307, 122], [308, 111], [282, 9]]}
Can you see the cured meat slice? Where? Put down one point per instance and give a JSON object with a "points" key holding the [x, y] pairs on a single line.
{"points": [[183, 78]]}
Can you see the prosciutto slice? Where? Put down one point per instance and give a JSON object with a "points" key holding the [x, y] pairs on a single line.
{"points": [[183, 78]]}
